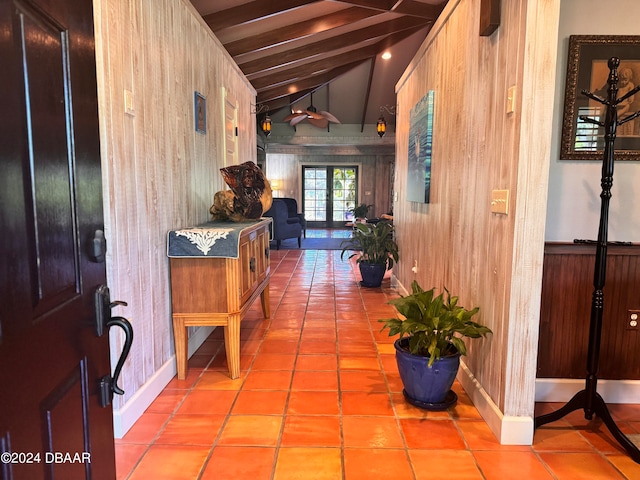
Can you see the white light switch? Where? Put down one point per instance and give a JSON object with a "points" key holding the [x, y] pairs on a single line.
{"points": [[500, 201]]}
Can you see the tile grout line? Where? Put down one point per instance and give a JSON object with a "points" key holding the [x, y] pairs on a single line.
{"points": [[390, 395], [340, 406], [286, 405]]}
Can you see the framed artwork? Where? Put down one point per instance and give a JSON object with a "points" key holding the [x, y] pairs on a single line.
{"points": [[420, 148], [588, 70], [200, 109]]}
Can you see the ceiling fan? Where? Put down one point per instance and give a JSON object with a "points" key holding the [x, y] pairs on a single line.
{"points": [[316, 118]]}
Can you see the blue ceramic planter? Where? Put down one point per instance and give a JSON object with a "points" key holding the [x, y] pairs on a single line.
{"points": [[427, 386], [372, 274]]}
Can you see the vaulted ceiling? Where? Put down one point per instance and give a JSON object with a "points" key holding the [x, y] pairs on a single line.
{"points": [[290, 49]]}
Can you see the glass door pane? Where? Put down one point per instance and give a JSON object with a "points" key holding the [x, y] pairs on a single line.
{"points": [[315, 190], [344, 193]]}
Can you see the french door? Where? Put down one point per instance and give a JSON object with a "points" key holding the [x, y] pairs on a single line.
{"points": [[329, 193]]}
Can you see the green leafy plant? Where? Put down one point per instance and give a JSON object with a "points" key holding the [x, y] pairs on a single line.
{"points": [[361, 210], [372, 243], [435, 325]]}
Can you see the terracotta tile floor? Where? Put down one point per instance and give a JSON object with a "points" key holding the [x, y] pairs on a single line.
{"points": [[320, 398]]}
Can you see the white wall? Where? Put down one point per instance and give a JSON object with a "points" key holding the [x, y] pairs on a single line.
{"points": [[573, 208]]}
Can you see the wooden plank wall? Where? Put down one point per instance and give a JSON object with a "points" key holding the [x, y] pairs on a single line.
{"points": [[567, 288], [493, 261], [158, 172]]}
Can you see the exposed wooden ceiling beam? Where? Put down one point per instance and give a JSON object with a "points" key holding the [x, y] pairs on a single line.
{"points": [[309, 69], [298, 30], [307, 52], [286, 101], [417, 9], [307, 83], [265, 80], [250, 12], [382, 5], [405, 7], [296, 97], [367, 94]]}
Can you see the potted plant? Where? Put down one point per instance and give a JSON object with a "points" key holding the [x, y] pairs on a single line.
{"points": [[430, 344], [375, 249], [360, 212]]}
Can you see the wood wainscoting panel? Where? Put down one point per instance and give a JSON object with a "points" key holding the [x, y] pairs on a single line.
{"points": [[567, 289]]}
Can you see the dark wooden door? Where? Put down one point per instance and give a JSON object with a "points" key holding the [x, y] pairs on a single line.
{"points": [[52, 424]]}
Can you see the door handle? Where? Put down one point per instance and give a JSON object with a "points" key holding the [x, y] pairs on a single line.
{"points": [[125, 325], [109, 384]]}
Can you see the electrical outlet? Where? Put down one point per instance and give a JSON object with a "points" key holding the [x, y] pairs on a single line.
{"points": [[633, 320]]}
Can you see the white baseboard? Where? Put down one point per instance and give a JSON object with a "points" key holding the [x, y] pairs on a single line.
{"points": [[125, 416], [397, 284], [509, 430], [563, 390], [130, 412]]}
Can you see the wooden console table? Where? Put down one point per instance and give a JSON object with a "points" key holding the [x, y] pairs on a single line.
{"points": [[209, 290]]}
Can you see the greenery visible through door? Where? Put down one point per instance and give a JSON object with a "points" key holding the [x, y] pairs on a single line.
{"points": [[329, 193]]}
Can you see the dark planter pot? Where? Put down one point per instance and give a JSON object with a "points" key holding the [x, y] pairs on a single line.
{"points": [[372, 274], [424, 386]]}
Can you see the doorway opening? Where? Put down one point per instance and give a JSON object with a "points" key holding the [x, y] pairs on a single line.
{"points": [[329, 192]]}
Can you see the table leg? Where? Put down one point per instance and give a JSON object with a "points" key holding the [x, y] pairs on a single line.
{"points": [[232, 345], [264, 301], [180, 336]]}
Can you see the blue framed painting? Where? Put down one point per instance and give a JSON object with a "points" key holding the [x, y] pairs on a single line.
{"points": [[420, 149], [200, 109]]}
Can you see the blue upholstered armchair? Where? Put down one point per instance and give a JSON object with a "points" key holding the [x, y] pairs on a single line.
{"points": [[292, 206], [283, 226]]}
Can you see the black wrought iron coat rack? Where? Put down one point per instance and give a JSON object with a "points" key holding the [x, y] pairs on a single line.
{"points": [[589, 399]]}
